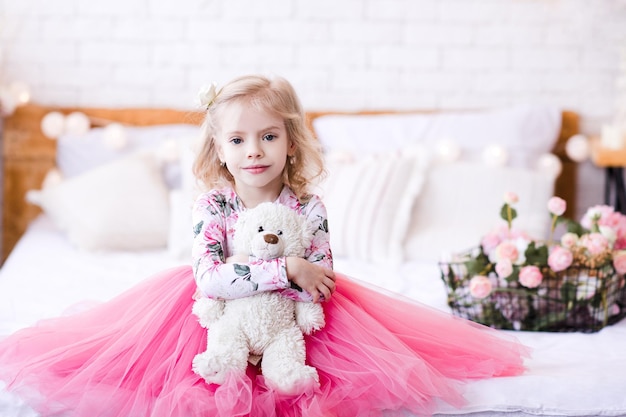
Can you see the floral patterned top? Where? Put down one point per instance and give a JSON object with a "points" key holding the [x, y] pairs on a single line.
{"points": [[214, 215]]}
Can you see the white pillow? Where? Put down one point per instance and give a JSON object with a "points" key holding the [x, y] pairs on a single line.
{"points": [[122, 205], [369, 204], [526, 131], [77, 154], [180, 238], [461, 202]]}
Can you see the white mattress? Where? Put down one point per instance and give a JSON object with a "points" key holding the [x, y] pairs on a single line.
{"points": [[570, 374]]}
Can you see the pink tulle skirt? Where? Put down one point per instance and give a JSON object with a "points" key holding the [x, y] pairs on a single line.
{"points": [[131, 357]]}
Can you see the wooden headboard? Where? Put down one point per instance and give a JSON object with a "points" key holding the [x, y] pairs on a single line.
{"points": [[27, 155]]}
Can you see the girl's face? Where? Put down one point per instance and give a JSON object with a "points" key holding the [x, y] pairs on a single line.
{"points": [[254, 145]]}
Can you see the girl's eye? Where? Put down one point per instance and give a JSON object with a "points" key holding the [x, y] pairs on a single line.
{"points": [[260, 229], [236, 141], [269, 137]]}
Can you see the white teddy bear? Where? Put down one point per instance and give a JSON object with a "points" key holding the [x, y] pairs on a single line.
{"points": [[267, 323]]}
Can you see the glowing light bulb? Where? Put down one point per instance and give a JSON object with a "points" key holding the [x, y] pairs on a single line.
{"points": [[495, 155], [549, 164], [577, 148], [114, 136], [53, 124], [448, 151], [77, 123]]}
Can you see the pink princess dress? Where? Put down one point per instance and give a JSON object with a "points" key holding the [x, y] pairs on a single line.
{"points": [[131, 356]]}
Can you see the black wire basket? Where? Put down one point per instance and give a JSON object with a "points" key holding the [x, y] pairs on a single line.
{"points": [[578, 299]]}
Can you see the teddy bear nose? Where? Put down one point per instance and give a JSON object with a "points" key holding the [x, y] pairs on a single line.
{"points": [[271, 238]]}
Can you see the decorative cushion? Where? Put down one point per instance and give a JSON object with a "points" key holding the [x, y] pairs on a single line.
{"points": [[121, 205], [461, 202], [180, 236], [369, 204]]}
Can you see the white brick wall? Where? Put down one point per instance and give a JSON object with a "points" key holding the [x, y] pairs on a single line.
{"points": [[347, 54]]}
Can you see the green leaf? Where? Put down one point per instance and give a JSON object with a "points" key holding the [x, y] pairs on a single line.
{"points": [[197, 228], [507, 211], [536, 255], [575, 227], [568, 292], [242, 270], [514, 277], [478, 266], [324, 226]]}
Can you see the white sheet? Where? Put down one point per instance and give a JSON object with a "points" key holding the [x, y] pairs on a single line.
{"points": [[45, 276], [570, 374]]}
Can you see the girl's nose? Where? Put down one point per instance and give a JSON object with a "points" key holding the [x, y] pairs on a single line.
{"points": [[254, 150]]}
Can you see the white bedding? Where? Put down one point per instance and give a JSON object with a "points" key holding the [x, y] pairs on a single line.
{"points": [[569, 374]]}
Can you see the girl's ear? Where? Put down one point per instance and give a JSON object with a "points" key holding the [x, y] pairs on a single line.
{"points": [[291, 150], [218, 149]]}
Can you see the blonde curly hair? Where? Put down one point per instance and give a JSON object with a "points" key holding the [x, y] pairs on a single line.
{"points": [[274, 95]]}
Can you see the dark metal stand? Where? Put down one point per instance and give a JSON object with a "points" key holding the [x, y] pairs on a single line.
{"points": [[614, 189]]}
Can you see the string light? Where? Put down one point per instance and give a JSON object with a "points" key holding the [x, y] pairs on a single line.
{"points": [[550, 165], [577, 148], [448, 150], [495, 155], [12, 96]]}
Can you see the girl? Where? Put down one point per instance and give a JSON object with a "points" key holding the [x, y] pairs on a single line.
{"points": [[131, 356]]}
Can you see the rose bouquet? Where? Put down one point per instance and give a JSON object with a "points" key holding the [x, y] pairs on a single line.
{"points": [[512, 281]]}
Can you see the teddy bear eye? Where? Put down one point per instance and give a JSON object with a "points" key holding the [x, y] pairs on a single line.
{"points": [[260, 229], [279, 233]]}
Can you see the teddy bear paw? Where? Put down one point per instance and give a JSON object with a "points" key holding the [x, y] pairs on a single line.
{"points": [[205, 366], [296, 381], [207, 310], [309, 317]]}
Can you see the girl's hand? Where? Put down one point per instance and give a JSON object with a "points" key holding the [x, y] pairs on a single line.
{"points": [[314, 279]]}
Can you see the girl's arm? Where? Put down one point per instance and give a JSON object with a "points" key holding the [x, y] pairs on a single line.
{"points": [[313, 276], [216, 278], [304, 281]]}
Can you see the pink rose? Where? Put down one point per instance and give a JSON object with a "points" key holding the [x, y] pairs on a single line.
{"points": [[560, 258], [620, 243], [489, 242], [617, 222], [480, 286], [619, 262], [609, 233], [569, 240], [611, 219], [601, 213], [557, 206], [504, 268], [530, 276], [595, 243], [507, 250], [510, 198]]}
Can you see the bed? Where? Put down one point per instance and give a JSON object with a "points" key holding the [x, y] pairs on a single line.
{"points": [[448, 193]]}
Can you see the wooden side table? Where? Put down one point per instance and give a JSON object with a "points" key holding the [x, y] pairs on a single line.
{"points": [[613, 162]]}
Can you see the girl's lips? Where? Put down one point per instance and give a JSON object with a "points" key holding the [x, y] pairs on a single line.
{"points": [[256, 169]]}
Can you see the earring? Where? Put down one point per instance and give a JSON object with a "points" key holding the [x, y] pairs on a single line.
{"points": [[222, 164], [292, 160]]}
